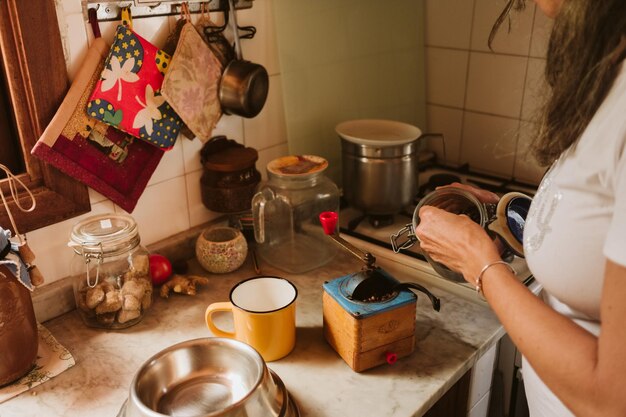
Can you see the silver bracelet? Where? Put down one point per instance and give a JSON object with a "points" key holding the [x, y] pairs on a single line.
{"points": [[479, 280]]}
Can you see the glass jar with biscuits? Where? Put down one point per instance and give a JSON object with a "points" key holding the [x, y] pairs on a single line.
{"points": [[111, 271]]}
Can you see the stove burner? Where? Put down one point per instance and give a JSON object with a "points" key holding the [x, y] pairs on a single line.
{"points": [[434, 181], [380, 220], [376, 220]]}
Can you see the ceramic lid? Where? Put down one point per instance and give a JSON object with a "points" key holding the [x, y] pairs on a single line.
{"points": [[377, 132], [297, 165], [227, 155]]}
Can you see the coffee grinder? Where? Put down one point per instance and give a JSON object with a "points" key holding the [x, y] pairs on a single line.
{"points": [[369, 317]]}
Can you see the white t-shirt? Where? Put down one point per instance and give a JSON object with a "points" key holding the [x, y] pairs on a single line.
{"points": [[576, 221]]}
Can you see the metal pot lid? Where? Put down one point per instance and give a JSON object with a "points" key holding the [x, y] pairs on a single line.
{"points": [[377, 132]]}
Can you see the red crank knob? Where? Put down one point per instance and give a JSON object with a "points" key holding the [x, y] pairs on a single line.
{"points": [[329, 221]]}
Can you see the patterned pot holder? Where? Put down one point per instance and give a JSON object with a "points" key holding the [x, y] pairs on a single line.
{"points": [[192, 81], [128, 94]]}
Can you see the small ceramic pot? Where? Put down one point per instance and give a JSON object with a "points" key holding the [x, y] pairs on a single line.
{"points": [[221, 249]]}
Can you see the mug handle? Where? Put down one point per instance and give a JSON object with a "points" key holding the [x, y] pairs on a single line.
{"points": [[214, 308]]}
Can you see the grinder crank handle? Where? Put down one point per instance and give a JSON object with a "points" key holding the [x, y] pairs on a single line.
{"points": [[329, 224], [434, 300]]}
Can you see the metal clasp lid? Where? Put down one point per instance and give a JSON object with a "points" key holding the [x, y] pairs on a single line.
{"points": [[88, 255], [405, 244]]}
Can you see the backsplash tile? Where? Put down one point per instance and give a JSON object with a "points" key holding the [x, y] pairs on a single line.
{"points": [[495, 84], [452, 23], [449, 122], [446, 72], [516, 41], [268, 128], [171, 164], [489, 143], [162, 210], [198, 213], [535, 89], [260, 49], [526, 168], [541, 34]]}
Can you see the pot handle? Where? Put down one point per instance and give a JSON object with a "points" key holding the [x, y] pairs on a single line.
{"points": [[436, 302], [410, 238]]}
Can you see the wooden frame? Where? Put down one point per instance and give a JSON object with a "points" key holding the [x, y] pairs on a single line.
{"points": [[32, 53]]}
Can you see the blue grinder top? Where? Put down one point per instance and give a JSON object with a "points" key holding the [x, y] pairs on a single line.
{"points": [[351, 293]]}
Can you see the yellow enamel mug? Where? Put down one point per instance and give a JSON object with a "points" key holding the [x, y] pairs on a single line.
{"points": [[264, 315]]}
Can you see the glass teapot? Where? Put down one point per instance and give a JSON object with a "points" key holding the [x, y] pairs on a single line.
{"points": [[286, 211]]}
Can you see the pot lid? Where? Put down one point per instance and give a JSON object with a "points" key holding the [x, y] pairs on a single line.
{"points": [[227, 155], [377, 132], [297, 165]]}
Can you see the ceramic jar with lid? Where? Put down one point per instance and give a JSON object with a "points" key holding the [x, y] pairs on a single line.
{"points": [[286, 211], [229, 175], [111, 271]]}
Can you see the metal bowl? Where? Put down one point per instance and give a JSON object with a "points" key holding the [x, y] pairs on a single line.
{"points": [[207, 377]]}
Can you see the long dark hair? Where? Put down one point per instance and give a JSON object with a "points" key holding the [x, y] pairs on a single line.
{"points": [[587, 46]]}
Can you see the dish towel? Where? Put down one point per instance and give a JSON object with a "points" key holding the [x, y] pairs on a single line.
{"points": [[52, 359]]}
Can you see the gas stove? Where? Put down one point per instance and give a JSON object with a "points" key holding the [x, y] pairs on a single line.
{"points": [[373, 233]]}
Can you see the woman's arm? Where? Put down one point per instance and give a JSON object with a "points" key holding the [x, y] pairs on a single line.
{"points": [[585, 372]]}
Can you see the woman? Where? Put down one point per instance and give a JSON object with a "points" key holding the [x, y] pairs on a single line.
{"points": [[572, 337]]}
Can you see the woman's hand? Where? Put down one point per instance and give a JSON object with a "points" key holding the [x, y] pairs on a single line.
{"points": [[484, 196], [455, 241]]}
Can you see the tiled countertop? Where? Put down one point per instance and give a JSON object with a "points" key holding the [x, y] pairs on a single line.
{"points": [[448, 343]]}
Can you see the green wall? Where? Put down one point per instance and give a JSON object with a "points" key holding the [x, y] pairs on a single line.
{"points": [[348, 59]]}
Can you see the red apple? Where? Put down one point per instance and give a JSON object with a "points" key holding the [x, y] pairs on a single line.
{"points": [[160, 268]]}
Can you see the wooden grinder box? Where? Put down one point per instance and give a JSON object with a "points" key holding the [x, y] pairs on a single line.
{"points": [[368, 334]]}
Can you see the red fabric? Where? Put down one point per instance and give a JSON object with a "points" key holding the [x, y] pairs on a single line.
{"points": [[123, 183]]}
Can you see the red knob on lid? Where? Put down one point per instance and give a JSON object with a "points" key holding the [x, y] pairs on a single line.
{"points": [[391, 357], [329, 221]]}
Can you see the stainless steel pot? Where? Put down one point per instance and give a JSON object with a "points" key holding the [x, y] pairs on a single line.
{"points": [[379, 164]]}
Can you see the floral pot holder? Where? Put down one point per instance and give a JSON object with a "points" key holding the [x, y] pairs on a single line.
{"points": [[192, 81], [128, 93]]}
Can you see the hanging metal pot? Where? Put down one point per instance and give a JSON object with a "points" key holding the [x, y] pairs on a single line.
{"points": [[244, 85]]}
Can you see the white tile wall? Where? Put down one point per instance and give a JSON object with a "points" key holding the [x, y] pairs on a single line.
{"points": [[495, 84], [446, 72], [449, 23], [478, 97], [173, 192]]}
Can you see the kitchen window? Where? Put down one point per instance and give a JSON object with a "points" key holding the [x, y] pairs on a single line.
{"points": [[36, 83]]}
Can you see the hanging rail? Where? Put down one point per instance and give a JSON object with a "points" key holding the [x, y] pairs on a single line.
{"points": [[110, 10]]}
